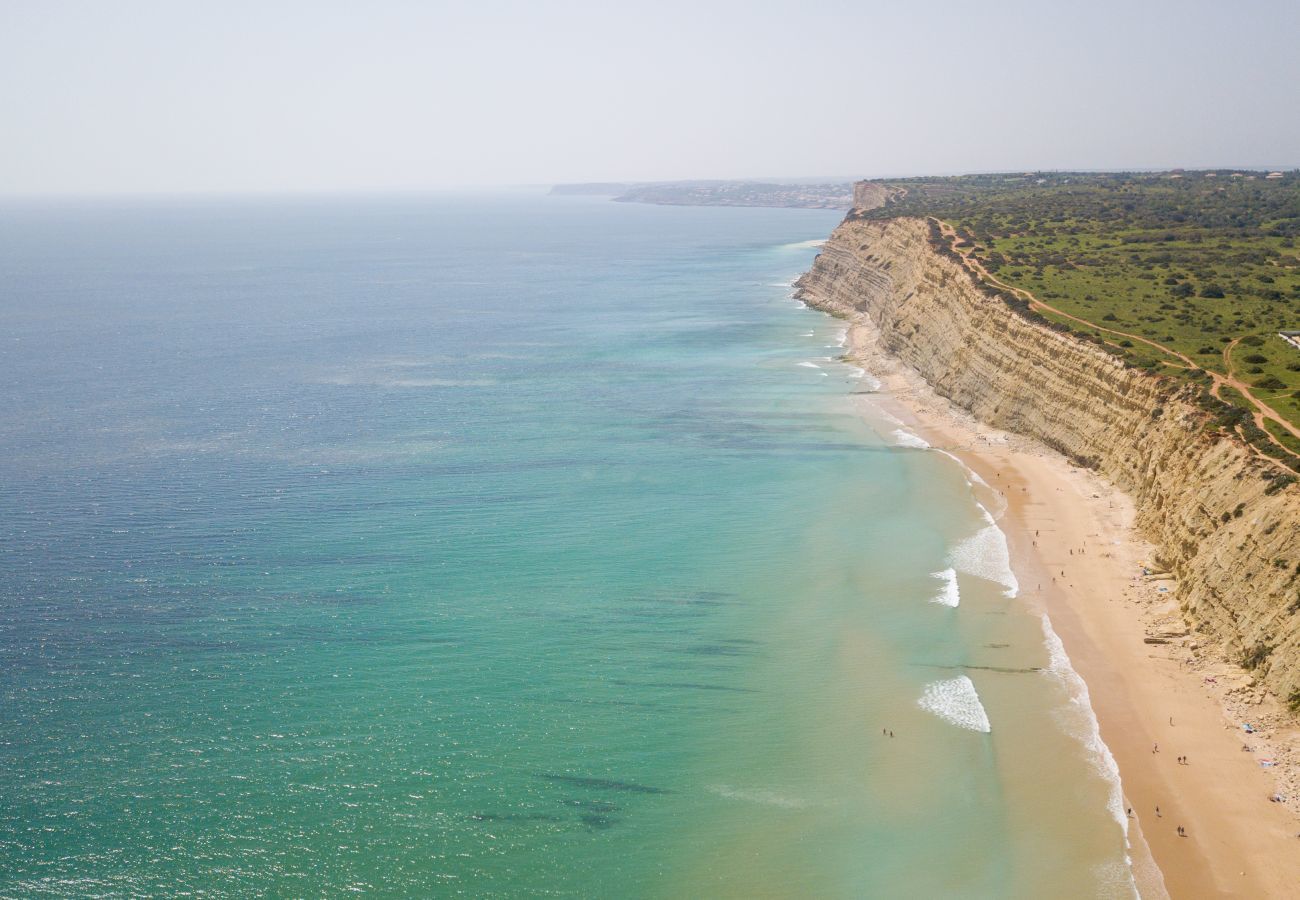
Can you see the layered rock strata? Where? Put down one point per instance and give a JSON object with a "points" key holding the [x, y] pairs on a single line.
{"points": [[1226, 520]]}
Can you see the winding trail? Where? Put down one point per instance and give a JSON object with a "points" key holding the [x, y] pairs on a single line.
{"points": [[1262, 410]]}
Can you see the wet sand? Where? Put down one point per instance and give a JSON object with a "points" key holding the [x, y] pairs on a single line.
{"points": [[1076, 553]]}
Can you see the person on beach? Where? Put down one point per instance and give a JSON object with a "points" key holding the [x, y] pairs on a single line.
{"points": [[1158, 816], [1155, 748]]}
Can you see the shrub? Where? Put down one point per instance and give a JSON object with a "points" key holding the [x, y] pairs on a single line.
{"points": [[1256, 656]]}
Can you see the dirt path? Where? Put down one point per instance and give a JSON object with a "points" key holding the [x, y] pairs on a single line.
{"points": [[1262, 410]]}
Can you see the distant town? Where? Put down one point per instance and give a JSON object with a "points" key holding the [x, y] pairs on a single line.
{"points": [[719, 193]]}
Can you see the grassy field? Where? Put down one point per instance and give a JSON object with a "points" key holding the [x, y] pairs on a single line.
{"points": [[1199, 262]]}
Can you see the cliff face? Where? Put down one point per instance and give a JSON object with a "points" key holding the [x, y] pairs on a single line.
{"points": [[869, 194], [1226, 522]]}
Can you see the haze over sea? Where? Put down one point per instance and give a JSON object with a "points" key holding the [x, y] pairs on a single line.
{"points": [[496, 544]]}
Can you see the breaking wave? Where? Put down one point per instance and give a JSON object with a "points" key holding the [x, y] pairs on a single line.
{"points": [[1080, 722], [907, 439], [985, 555], [949, 594], [955, 700]]}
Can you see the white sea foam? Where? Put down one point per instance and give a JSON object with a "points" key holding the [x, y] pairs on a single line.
{"points": [[1080, 722], [955, 700], [758, 795], [1115, 880], [841, 337], [810, 365], [972, 477], [949, 594], [985, 555], [805, 245], [907, 439], [871, 382], [808, 334]]}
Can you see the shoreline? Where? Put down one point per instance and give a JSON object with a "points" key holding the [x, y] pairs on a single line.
{"points": [[1079, 561]]}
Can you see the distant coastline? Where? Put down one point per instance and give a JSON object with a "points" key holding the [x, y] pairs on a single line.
{"points": [[829, 195]]}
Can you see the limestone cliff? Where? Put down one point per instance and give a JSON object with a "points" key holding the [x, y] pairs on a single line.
{"points": [[1226, 521], [869, 194]]}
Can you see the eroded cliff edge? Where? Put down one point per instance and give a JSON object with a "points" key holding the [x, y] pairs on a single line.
{"points": [[1226, 521]]}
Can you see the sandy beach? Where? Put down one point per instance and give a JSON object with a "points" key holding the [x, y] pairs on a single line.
{"points": [[1172, 714]]}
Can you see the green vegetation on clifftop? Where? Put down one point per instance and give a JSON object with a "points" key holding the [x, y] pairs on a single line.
{"points": [[1206, 264]]}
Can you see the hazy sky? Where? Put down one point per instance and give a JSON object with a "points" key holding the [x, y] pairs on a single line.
{"points": [[224, 95]]}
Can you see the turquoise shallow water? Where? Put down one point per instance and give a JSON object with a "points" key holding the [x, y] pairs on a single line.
{"points": [[499, 545]]}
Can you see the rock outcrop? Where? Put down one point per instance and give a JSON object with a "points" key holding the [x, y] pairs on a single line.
{"points": [[870, 194], [1226, 520]]}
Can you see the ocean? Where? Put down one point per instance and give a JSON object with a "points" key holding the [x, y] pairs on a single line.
{"points": [[497, 545]]}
